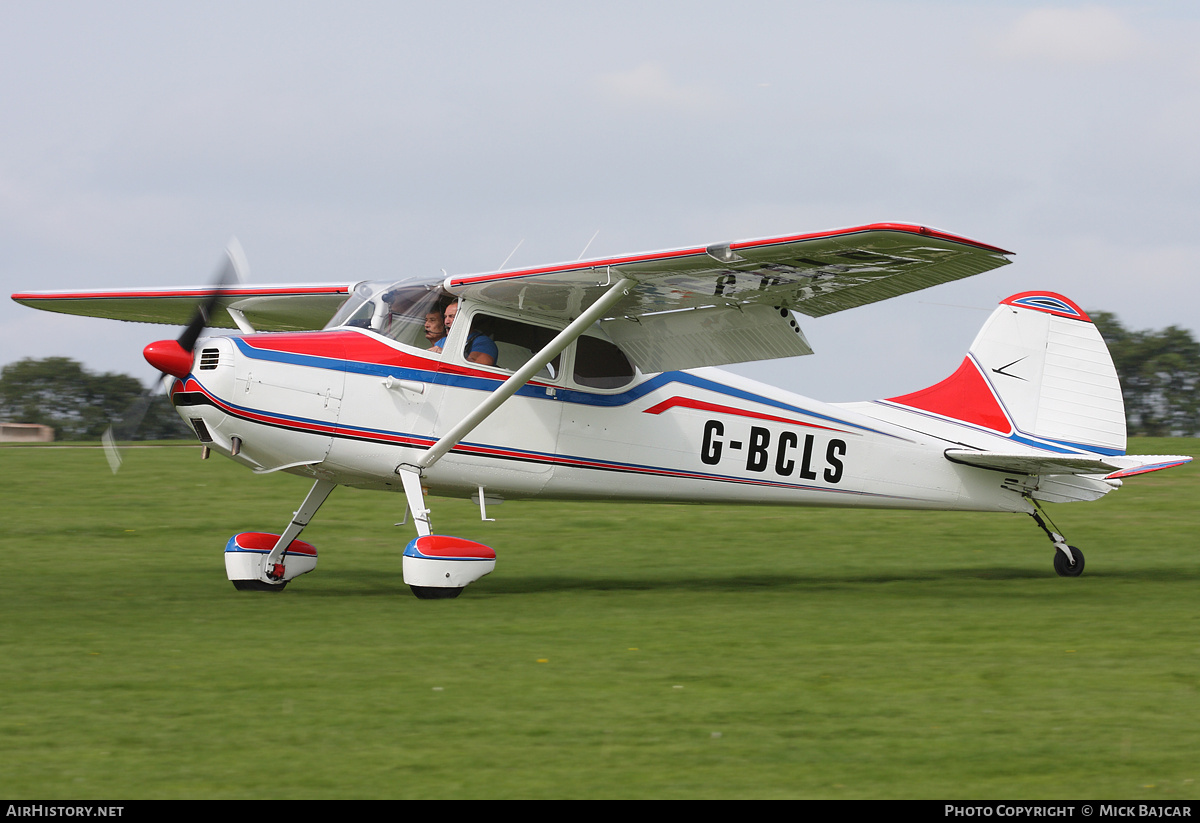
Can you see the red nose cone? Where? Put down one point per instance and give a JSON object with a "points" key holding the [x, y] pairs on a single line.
{"points": [[169, 357]]}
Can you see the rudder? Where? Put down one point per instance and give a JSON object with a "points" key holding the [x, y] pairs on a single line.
{"points": [[1038, 368]]}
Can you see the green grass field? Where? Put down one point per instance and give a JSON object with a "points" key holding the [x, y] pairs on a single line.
{"points": [[617, 651]]}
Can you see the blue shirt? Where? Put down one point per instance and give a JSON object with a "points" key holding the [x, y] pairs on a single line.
{"points": [[477, 342]]}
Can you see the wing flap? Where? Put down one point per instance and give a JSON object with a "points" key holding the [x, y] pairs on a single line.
{"points": [[707, 337]]}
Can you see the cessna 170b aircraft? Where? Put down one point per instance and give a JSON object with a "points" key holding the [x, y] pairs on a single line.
{"points": [[593, 380]]}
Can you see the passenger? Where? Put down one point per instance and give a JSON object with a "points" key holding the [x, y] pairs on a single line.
{"points": [[479, 349]]}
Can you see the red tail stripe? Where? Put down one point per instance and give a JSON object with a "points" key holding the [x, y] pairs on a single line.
{"points": [[964, 395]]}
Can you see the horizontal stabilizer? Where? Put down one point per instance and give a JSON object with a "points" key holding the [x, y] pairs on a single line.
{"points": [[1112, 467]]}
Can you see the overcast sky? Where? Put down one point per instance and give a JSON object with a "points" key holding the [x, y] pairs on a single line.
{"points": [[347, 141]]}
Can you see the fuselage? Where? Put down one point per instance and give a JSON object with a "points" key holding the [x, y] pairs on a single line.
{"points": [[350, 405]]}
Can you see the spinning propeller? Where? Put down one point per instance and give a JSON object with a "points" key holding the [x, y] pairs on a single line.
{"points": [[173, 358]]}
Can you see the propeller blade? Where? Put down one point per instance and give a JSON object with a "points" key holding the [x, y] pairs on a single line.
{"points": [[111, 452], [174, 357], [232, 271], [127, 426]]}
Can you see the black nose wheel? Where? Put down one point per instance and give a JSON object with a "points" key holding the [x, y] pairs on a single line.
{"points": [[257, 586], [1063, 565], [432, 593]]}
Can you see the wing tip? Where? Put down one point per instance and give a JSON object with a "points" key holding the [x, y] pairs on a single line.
{"points": [[906, 228]]}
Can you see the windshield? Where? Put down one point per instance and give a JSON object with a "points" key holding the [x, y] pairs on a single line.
{"points": [[408, 311]]}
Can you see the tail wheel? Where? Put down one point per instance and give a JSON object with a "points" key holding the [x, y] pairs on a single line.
{"points": [[1064, 567]]}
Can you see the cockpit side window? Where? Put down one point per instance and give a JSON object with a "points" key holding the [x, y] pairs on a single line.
{"points": [[358, 308], [510, 343], [412, 315], [361, 318], [410, 312]]}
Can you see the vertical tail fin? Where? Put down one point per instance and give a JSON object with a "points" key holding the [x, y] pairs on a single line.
{"points": [[1040, 369]]}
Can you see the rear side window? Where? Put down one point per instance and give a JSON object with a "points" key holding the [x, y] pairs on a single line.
{"points": [[601, 365], [515, 343]]}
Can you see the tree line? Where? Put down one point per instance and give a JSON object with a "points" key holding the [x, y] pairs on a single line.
{"points": [[1159, 372], [80, 404], [1160, 377]]}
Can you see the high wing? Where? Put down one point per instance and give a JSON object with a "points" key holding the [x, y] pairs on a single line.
{"points": [[697, 306], [289, 307], [732, 302]]}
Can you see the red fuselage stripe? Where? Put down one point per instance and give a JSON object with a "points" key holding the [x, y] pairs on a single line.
{"points": [[700, 405]]}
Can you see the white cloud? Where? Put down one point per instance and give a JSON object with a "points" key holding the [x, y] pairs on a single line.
{"points": [[1088, 35], [649, 85]]}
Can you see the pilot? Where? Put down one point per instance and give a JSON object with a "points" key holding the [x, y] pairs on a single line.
{"points": [[479, 349], [435, 325]]}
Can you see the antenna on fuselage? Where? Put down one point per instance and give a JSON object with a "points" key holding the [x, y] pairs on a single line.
{"points": [[511, 253], [588, 246]]}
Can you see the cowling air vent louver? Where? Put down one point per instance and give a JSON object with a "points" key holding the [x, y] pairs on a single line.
{"points": [[209, 358]]}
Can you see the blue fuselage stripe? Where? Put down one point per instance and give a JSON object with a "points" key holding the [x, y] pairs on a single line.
{"points": [[536, 391]]}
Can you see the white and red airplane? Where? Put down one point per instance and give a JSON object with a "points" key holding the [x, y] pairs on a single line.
{"points": [[593, 380]]}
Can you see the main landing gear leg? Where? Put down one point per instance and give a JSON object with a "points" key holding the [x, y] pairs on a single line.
{"points": [[410, 476], [438, 567], [273, 565], [1068, 560], [260, 562]]}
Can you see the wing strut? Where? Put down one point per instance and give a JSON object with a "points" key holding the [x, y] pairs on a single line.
{"points": [[510, 386]]}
